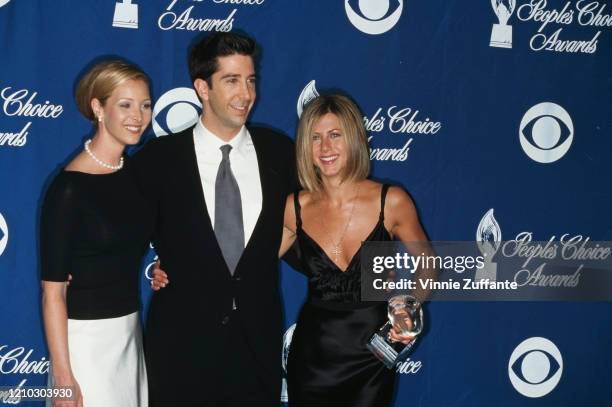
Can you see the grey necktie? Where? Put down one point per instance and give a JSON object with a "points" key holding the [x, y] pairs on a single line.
{"points": [[228, 212]]}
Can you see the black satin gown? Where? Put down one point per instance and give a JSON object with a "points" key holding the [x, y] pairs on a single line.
{"points": [[329, 364]]}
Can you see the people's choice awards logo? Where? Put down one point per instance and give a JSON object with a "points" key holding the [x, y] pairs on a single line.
{"points": [[27, 104], [4, 2], [4, 234], [175, 111], [396, 120], [546, 132], [195, 17], [126, 15], [501, 34], [19, 361], [547, 21], [284, 358], [308, 93], [535, 367], [376, 18]]}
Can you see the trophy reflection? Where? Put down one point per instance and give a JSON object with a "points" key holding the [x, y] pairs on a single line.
{"points": [[406, 316], [501, 34]]}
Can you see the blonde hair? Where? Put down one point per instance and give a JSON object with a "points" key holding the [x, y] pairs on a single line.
{"points": [[351, 122], [100, 82]]}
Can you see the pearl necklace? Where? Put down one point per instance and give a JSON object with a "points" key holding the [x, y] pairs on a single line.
{"points": [[100, 162]]}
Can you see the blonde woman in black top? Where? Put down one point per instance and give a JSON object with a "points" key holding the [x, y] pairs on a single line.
{"points": [[95, 226]]}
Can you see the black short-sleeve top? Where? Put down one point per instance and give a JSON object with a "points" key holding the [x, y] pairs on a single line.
{"points": [[95, 227]]}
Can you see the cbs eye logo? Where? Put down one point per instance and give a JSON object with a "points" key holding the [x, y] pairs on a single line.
{"points": [[4, 234], [535, 367], [148, 271], [376, 17], [175, 110], [546, 132]]}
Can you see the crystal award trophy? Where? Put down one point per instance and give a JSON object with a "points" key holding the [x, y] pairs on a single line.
{"points": [[406, 316]]}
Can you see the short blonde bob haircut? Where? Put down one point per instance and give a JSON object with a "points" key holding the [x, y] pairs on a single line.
{"points": [[100, 82], [353, 130]]}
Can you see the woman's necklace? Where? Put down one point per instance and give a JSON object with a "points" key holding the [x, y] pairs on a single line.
{"points": [[337, 247], [100, 162]]}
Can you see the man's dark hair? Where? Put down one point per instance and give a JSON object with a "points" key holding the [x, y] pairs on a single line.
{"points": [[203, 57]]}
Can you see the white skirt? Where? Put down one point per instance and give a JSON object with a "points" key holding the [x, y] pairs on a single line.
{"points": [[108, 362]]}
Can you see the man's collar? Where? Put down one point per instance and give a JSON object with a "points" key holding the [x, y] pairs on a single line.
{"points": [[213, 143]]}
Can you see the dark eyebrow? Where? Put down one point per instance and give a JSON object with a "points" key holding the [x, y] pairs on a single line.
{"points": [[235, 75]]}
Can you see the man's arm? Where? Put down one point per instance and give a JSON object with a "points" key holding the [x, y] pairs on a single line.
{"points": [[145, 167]]}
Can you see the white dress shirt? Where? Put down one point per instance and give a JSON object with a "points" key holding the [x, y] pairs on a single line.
{"points": [[243, 160]]}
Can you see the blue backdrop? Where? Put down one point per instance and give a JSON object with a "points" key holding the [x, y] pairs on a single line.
{"points": [[492, 114]]}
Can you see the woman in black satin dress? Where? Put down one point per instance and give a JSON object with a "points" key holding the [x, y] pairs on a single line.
{"points": [[329, 364]]}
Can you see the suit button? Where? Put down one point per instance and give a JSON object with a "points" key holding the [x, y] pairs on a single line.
{"points": [[236, 278], [225, 320]]}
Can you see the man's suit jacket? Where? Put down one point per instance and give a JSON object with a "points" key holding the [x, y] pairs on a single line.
{"points": [[186, 338]]}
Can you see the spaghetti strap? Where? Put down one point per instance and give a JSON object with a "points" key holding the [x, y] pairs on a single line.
{"points": [[298, 214], [383, 195]]}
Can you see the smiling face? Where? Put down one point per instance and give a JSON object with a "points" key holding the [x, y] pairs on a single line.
{"points": [[230, 96], [126, 113], [331, 143], [329, 148]]}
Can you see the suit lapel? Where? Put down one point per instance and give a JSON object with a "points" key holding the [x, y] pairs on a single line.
{"points": [[264, 179], [268, 179], [192, 172]]}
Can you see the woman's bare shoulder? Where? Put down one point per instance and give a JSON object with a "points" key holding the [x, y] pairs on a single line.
{"points": [[306, 197]]}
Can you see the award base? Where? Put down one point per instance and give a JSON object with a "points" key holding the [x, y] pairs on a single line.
{"points": [[284, 395], [384, 351], [126, 15], [488, 272], [501, 36]]}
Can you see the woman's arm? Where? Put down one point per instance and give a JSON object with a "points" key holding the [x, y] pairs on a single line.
{"points": [[55, 318], [59, 216], [402, 215], [406, 227], [289, 227]]}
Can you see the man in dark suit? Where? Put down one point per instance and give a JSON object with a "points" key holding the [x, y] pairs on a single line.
{"points": [[213, 336]]}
